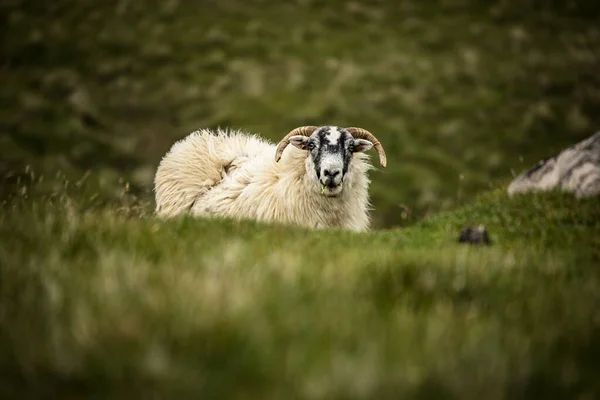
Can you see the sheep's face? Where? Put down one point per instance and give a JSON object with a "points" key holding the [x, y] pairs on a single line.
{"points": [[330, 150]]}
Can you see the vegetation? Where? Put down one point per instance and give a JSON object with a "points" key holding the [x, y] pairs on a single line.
{"points": [[98, 298]]}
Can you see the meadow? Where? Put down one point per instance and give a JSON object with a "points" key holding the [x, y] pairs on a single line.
{"points": [[100, 299]]}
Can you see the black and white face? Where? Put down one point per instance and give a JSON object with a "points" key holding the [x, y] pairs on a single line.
{"points": [[330, 150]]}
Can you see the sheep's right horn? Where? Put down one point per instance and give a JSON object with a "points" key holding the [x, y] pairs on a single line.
{"points": [[303, 130], [361, 133]]}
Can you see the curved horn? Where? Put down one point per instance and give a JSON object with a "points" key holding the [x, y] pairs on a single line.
{"points": [[302, 130], [361, 133]]}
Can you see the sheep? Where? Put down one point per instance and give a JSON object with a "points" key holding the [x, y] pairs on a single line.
{"points": [[320, 182], [576, 169]]}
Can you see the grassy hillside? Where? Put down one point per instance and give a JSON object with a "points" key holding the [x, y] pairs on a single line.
{"points": [[111, 302], [461, 95], [99, 299]]}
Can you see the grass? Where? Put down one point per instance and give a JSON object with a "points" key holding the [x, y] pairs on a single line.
{"points": [[115, 303], [100, 299], [462, 95]]}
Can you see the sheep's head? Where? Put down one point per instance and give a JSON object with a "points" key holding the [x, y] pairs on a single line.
{"points": [[330, 151]]}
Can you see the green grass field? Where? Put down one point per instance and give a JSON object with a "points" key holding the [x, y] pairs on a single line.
{"points": [[99, 299]]}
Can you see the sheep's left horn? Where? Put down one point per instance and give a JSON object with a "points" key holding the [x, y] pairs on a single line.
{"points": [[360, 133], [303, 130]]}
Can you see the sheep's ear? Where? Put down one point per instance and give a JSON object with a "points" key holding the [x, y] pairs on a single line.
{"points": [[362, 145], [300, 141]]}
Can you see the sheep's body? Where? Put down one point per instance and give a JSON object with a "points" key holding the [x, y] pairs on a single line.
{"points": [[232, 174]]}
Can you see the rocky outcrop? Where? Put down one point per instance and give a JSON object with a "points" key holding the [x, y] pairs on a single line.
{"points": [[576, 169]]}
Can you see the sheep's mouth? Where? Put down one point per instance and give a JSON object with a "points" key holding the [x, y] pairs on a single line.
{"points": [[331, 189]]}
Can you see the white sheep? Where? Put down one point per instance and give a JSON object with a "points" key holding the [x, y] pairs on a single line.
{"points": [[320, 182]]}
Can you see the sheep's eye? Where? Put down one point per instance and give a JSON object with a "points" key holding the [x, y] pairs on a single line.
{"points": [[351, 148], [311, 146]]}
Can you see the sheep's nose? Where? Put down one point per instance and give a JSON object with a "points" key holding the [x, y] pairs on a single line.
{"points": [[332, 173]]}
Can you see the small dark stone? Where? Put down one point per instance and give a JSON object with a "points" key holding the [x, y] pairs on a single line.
{"points": [[475, 235]]}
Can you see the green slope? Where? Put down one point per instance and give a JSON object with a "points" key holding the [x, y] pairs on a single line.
{"points": [[462, 95], [98, 302], [99, 299]]}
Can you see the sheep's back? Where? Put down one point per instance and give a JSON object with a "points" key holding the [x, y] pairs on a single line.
{"points": [[197, 163]]}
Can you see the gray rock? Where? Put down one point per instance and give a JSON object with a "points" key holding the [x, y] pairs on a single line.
{"points": [[576, 170]]}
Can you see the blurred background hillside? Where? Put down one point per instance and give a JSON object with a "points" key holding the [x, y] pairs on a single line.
{"points": [[463, 94]]}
